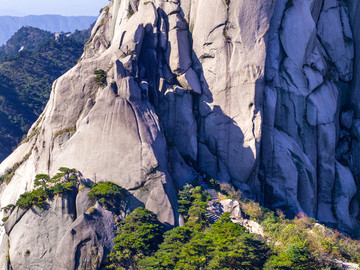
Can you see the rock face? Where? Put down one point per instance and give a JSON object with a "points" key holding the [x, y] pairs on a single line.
{"points": [[59, 235], [259, 94]]}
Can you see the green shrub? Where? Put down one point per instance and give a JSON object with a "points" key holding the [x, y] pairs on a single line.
{"points": [[100, 78], [109, 194], [41, 180], [70, 130], [224, 245], [231, 192], [192, 205], [252, 210], [295, 256], [8, 208], [138, 235], [9, 173], [62, 188], [5, 219], [36, 197], [91, 210]]}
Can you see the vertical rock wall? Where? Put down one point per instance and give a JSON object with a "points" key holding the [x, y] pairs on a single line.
{"points": [[309, 142]]}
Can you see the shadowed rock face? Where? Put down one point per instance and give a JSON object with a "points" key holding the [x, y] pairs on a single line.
{"points": [[253, 93]]}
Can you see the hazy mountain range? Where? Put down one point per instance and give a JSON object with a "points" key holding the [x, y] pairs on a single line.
{"points": [[29, 63], [53, 23]]}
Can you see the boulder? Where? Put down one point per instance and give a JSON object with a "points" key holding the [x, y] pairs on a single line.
{"points": [[83, 202], [333, 31], [298, 31], [190, 81], [346, 119], [34, 238], [345, 190], [87, 242], [293, 176]]}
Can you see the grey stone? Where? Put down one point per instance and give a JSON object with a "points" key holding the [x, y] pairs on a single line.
{"points": [[34, 238], [355, 131], [4, 253], [13, 219], [176, 112], [326, 172], [261, 106], [83, 202], [331, 33], [299, 32], [315, 79], [190, 81], [178, 51], [87, 242], [347, 118], [293, 178], [322, 105], [345, 190]]}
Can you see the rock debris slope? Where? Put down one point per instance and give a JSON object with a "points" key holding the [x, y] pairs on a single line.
{"points": [[260, 94]]}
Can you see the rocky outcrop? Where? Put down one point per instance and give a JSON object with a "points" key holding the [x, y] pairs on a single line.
{"points": [[257, 94], [87, 242], [307, 101]]}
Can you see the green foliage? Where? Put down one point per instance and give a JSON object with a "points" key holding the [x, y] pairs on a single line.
{"points": [[100, 78], [38, 197], [8, 208], [230, 191], [225, 245], [41, 180], [9, 173], [295, 256], [62, 188], [293, 244], [169, 251], [108, 194], [138, 235], [70, 130], [192, 205], [5, 219], [185, 199]]}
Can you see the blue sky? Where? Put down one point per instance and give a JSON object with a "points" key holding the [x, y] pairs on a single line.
{"points": [[61, 7]]}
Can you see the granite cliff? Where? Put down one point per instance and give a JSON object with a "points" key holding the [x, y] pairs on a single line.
{"points": [[259, 94]]}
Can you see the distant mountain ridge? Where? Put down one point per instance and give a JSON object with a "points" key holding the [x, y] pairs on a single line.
{"points": [[53, 23], [29, 63]]}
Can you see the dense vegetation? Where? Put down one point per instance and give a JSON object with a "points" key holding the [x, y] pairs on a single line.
{"points": [[62, 183], [286, 244], [137, 236], [108, 194], [197, 245], [26, 78]]}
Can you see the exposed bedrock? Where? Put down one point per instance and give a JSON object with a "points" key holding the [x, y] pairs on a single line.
{"points": [[309, 147]]}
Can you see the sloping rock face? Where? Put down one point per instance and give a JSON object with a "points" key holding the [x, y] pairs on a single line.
{"points": [[260, 94], [59, 235]]}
